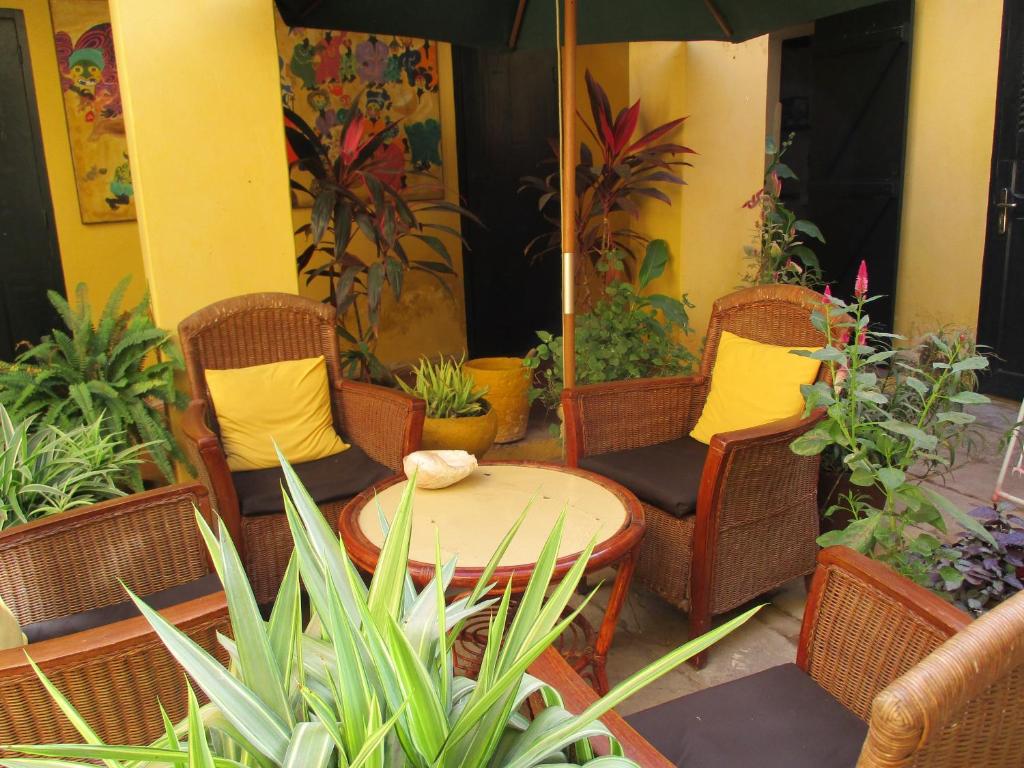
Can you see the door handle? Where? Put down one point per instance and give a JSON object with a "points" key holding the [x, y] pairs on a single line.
{"points": [[1005, 204]]}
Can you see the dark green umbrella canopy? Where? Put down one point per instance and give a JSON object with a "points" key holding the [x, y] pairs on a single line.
{"points": [[493, 23]]}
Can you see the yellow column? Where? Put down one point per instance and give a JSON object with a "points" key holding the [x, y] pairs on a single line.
{"points": [[199, 83]]}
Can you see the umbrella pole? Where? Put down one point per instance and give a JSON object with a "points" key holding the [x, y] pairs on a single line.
{"points": [[568, 177]]}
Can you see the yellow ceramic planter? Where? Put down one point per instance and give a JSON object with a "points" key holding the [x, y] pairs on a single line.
{"points": [[508, 383], [466, 433]]}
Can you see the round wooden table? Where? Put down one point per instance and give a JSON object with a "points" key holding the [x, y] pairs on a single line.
{"points": [[472, 516]]}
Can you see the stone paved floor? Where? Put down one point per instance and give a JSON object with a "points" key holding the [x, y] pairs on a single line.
{"points": [[649, 628]]}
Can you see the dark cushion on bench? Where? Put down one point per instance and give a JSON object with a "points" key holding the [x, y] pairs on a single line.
{"points": [[779, 718], [664, 475], [336, 477], [108, 614]]}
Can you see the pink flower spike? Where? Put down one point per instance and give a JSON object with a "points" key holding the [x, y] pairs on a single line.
{"points": [[860, 286], [828, 293], [862, 337]]}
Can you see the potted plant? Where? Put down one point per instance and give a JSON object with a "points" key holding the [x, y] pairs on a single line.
{"points": [[118, 370], [357, 192], [47, 470], [629, 333], [458, 417], [891, 419], [507, 381], [779, 253], [369, 681]]}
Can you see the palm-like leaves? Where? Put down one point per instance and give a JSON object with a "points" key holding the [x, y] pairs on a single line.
{"points": [[628, 169], [369, 683], [118, 370], [357, 191]]}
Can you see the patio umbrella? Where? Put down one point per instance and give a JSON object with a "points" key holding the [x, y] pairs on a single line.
{"points": [[534, 23]]}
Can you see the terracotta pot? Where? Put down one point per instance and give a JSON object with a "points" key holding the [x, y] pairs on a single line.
{"points": [[474, 434], [508, 384]]}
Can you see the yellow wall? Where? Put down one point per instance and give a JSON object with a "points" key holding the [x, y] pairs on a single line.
{"points": [[97, 254], [426, 321], [953, 76], [202, 100]]}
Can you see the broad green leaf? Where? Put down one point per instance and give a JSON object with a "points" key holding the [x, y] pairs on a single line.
{"points": [[960, 516], [654, 263], [975, 363], [968, 398], [387, 584], [199, 755], [891, 477], [311, 747]]}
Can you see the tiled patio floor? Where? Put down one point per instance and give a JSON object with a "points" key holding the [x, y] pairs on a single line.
{"points": [[649, 628]]}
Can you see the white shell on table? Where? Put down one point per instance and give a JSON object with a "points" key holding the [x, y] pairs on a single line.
{"points": [[439, 469]]}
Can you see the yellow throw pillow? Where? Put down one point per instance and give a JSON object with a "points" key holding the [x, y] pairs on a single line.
{"points": [[10, 631], [753, 384], [287, 402]]}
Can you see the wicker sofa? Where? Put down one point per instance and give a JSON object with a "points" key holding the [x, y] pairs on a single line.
{"points": [[64, 571], [725, 522], [381, 424], [916, 683]]}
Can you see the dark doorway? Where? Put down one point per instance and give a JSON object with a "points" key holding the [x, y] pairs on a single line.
{"points": [[844, 94], [1001, 317], [506, 110], [29, 257]]}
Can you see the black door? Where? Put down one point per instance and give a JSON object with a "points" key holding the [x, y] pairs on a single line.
{"points": [[852, 127], [507, 110], [1001, 317], [29, 259]]}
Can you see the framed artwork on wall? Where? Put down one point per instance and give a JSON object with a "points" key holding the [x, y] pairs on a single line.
{"points": [[92, 108], [395, 80]]}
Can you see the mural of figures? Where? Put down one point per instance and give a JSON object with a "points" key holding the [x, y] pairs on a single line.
{"points": [[92, 106], [323, 70]]}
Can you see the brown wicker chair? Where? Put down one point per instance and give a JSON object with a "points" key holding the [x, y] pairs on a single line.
{"points": [[928, 687], [754, 521], [262, 328], [114, 674]]}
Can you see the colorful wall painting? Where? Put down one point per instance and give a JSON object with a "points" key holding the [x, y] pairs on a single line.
{"points": [[323, 70], [92, 107]]}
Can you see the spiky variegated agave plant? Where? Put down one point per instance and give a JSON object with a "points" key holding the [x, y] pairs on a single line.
{"points": [[369, 683]]}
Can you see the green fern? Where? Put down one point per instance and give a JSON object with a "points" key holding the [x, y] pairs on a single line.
{"points": [[119, 370]]}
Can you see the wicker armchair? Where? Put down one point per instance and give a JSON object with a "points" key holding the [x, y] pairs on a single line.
{"points": [[924, 685], [382, 424], [751, 520], [113, 674]]}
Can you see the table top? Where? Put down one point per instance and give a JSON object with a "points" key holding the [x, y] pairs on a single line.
{"points": [[471, 517]]}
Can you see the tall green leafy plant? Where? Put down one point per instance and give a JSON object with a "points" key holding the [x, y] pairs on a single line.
{"points": [[369, 682], [48, 470], [357, 191], [611, 179], [891, 419], [447, 389], [629, 334], [118, 370], [780, 253]]}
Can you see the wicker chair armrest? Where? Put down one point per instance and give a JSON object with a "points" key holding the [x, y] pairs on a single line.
{"points": [[94, 667], [385, 423], [577, 696], [617, 415], [207, 453], [865, 625], [71, 562]]}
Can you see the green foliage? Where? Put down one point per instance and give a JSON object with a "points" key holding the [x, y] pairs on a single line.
{"points": [[50, 470], [447, 389], [119, 371], [779, 253], [629, 334], [369, 682], [628, 171], [975, 574], [359, 193], [891, 421]]}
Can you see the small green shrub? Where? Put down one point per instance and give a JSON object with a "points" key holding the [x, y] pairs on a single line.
{"points": [[118, 371], [50, 470], [447, 390]]}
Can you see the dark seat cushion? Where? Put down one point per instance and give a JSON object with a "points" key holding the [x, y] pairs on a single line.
{"points": [[779, 718], [664, 475], [108, 614], [335, 477]]}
